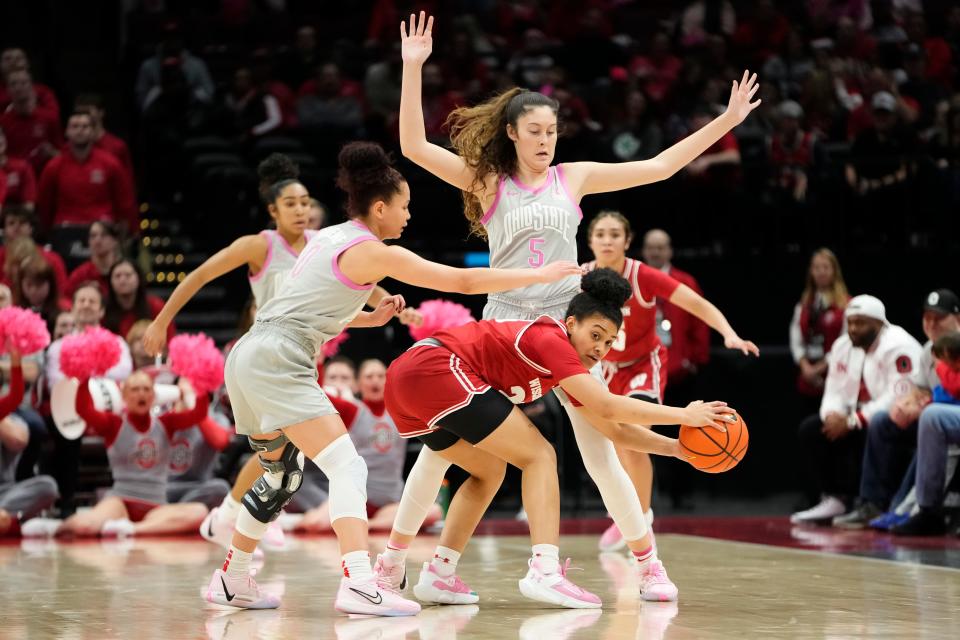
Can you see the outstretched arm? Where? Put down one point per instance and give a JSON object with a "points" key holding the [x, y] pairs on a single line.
{"points": [[242, 251], [695, 304], [584, 178], [446, 165], [104, 423], [633, 437]]}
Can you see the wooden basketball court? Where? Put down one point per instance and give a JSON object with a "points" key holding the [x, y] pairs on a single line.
{"points": [[147, 589]]}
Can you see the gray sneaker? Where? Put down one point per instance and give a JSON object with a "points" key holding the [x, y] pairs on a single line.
{"points": [[859, 518]]}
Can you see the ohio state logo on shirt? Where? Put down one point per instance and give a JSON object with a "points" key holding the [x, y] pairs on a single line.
{"points": [[145, 456], [382, 437], [180, 456], [97, 176]]}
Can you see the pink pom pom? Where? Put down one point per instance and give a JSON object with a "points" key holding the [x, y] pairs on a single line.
{"points": [[195, 357], [24, 328], [89, 354], [331, 347], [440, 314]]}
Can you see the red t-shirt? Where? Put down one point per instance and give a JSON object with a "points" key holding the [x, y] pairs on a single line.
{"points": [[118, 149], [21, 183], [638, 335], [86, 272], [46, 99], [25, 134], [130, 318], [523, 359], [81, 192]]}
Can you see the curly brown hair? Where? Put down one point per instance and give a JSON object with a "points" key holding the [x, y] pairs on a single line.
{"points": [[479, 136]]}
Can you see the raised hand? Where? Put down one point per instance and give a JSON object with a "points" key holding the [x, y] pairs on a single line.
{"points": [[745, 346], [740, 96], [560, 270], [417, 46]]}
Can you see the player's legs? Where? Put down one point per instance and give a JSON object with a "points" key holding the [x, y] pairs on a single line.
{"points": [[171, 519], [90, 523], [382, 519]]}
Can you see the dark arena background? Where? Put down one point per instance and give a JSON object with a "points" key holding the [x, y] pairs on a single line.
{"points": [[854, 149]]}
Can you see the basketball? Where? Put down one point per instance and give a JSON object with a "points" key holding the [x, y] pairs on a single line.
{"points": [[716, 452]]}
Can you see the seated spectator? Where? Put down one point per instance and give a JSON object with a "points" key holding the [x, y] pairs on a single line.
{"points": [[193, 70], [939, 65], [33, 133], [251, 112], [104, 241], [892, 435], [637, 134], [261, 70], [790, 68], [763, 33], [19, 185], [92, 103], [528, 66], [87, 311], [381, 85], [880, 153], [658, 71], [300, 62], [924, 91], [817, 323], [869, 368], [375, 436], [15, 59], [64, 325], [16, 252], [19, 501], [938, 429], [438, 102], [330, 101], [138, 448], [36, 288], [128, 300], [84, 184], [701, 18], [720, 164], [18, 222], [790, 153]]}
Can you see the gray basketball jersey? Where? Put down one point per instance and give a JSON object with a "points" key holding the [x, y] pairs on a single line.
{"points": [[528, 228], [191, 458], [139, 462], [317, 300], [280, 260], [379, 444]]}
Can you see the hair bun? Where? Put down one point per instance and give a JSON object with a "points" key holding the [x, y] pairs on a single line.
{"points": [[277, 167], [606, 286], [363, 157]]}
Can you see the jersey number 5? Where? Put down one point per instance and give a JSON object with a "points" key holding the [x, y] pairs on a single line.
{"points": [[536, 258]]}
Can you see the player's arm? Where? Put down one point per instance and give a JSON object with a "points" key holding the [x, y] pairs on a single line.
{"points": [[373, 261], [244, 250], [695, 304], [584, 178], [607, 406], [446, 165], [633, 437]]}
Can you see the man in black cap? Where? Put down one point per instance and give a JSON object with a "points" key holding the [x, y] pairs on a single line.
{"points": [[892, 436]]}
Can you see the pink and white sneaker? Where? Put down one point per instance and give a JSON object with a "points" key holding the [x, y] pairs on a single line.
{"points": [[434, 588], [372, 597], [554, 588], [394, 574], [221, 533], [242, 592], [612, 539], [655, 585]]}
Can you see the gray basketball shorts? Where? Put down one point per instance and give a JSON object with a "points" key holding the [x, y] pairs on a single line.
{"points": [[271, 377]]}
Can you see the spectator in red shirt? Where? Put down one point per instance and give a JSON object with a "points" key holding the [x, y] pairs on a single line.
{"points": [[249, 110], [437, 102], [764, 33], [102, 139], [330, 101], [659, 70], [18, 223], [104, 241], [18, 179], [84, 184], [36, 289], [15, 59], [790, 151], [33, 133], [686, 338], [128, 301]]}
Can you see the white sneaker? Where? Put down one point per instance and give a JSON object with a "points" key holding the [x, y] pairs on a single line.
{"points": [[120, 528], [40, 527], [394, 574], [555, 588], [372, 597], [242, 592], [829, 508], [655, 585], [436, 589]]}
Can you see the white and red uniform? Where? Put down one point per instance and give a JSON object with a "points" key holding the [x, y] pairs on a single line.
{"points": [[522, 359], [636, 365]]}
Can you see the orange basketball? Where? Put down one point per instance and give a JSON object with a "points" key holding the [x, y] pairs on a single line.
{"points": [[715, 452]]}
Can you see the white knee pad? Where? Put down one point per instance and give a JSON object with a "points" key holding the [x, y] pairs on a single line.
{"points": [[347, 473], [420, 491], [603, 465]]}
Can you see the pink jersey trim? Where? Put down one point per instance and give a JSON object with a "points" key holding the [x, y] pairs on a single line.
{"points": [[335, 264], [266, 233], [566, 189], [493, 207], [541, 188], [522, 355], [307, 235]]}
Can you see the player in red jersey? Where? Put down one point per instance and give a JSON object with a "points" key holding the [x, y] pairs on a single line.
{"points": [[636, 365], [456, 391]]}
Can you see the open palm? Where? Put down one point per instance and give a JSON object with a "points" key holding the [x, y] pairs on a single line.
{"points": [[416, 47], [741, 95]]}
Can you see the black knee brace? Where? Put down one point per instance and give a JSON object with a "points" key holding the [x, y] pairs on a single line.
{"points": [[263, 501]]}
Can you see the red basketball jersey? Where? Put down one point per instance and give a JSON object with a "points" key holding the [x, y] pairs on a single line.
{"points": [[638, 335], [522, 359]]}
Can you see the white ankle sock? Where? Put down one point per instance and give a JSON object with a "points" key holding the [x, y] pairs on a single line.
{"points": [[445, 561], [644, 558], [237, 563], [356, 565], [395, 554], [548, 556], [228, 510]]}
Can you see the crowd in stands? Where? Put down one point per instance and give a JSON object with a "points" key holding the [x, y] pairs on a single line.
{"points": [[861, 112]]}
